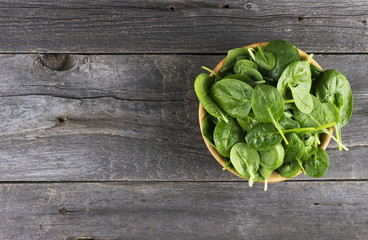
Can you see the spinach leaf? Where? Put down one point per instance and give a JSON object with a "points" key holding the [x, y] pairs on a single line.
{"points": [[245, 159], [302, 97], [297, 73], [316, 72], [248, 122], [316, 118], [231, 58], [226, 135], [245, 79], [286, 122], [253, 74], [265, 59], [201, 86], [268, 105], [265, 173], [233, 96], [332, 113], [263, 137], [217, 76], [273, 158], [209, 124], [311, 142], [317, 165], [242, 57], [289, 169], [285, 53], [294, 150], [333, 87], [244, 64]]}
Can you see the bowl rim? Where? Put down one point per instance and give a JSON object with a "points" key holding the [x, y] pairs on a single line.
{"points": [[275, 177]]}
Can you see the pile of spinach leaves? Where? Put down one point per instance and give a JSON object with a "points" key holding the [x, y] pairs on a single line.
{"points": [[262, 115]]}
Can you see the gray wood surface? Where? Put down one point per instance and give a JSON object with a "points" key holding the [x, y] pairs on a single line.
{"points": [[196, 210], [104, 143], [131, 118], [165, 26]]}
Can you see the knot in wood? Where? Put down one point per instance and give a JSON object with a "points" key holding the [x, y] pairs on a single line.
{"points": [[54, 61], [63, 211], [61, 120]]}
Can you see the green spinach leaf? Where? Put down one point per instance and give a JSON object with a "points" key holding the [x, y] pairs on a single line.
{"points": [[272, 159], [286, 122], [285, 53], [233, 96], [263, 137], [265, 59], [302, 97], [201, 86], [253, 74], [244, 64], [245, 159], [209, 124], [294, 150], [232, 57], [317, 165], [226, 135], [289, 169], [316, 72], [248, 122], [268, 105], [333, 87], [332, 113], [245, 79]]}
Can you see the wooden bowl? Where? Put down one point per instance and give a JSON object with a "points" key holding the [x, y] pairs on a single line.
{"points": [[275, 177]]}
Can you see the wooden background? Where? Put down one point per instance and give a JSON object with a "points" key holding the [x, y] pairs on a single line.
{"points": [[102, 140]]}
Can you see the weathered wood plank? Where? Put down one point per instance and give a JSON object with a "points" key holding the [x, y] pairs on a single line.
{"points": [[135, 77], [293, 210], [180, 26], [108, 139], [125, 123]]}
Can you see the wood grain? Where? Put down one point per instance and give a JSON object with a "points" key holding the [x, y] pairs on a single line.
{"points": [[165, 26], [131, 118], [293, 210]]}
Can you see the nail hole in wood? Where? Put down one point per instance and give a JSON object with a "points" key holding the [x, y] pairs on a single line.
{"points": [[172, 8], [300, 18], [224, 6], [364, 21], [61, 120], [55, 62], [248, 6], [63, 211], [317, 204]]}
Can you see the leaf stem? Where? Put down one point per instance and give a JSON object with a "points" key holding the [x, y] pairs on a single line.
{"points": [[336, 140], [280, 131], [301, 165], [259, 82], [226, 165], [265, 185], [310, 129], [250, 50], [338, 136], [317, 139], [211, 71], [289, 101], [310, 58], [250, 182]]}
